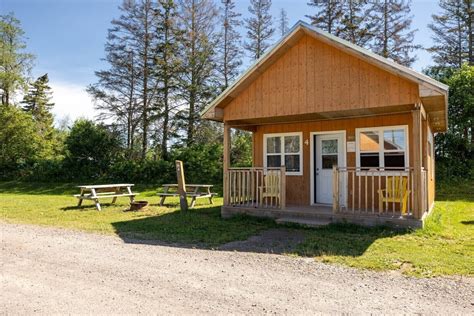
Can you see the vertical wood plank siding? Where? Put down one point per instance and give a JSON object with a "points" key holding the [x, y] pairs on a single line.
{"points": [[313, 77], [298, 187]]}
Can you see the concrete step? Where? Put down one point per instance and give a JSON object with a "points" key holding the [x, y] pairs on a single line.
{"points": [[304, 221]]}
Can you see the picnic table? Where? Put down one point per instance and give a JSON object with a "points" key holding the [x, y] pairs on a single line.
{"points": [[96, 192], [195, 191]]}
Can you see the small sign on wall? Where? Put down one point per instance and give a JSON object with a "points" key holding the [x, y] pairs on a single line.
{"points": [[351, 147]]}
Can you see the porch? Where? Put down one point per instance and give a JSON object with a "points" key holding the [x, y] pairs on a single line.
{"points": [[358, 197]]}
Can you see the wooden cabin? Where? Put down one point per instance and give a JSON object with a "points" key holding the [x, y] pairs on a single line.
{"points": [[339, 134]]}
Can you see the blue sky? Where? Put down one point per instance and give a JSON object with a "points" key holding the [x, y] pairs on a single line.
{"points": [[67, 37]]}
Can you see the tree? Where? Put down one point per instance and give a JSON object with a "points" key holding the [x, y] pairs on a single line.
{"points": [[168, 66], [393, 37], [126, 91], [283, 22], [259, 27], [230, 53], [328, 15], [354, 25], [19, 141], [453, 33], [90, 149], [197, 19], [15, 63], [38, 103], [455, 148]]}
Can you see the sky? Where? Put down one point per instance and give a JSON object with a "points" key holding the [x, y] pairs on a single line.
{"points": [[68, 36]]}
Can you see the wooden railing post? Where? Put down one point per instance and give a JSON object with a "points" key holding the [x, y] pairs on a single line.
{"points": [[226, 163], [335, 189], [282, 187]]}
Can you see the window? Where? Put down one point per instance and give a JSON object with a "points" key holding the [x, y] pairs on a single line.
{"points": [[382, 147], [284, 150]]}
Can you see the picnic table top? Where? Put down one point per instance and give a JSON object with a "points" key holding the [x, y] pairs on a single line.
{"points": [[190, 185], [103, 186]]}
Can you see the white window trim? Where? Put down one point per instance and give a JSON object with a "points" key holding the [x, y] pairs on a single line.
{"points": [[380, 130], [282, 135]]}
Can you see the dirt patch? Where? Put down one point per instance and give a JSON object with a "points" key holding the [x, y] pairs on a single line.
{"points": [[276, 241]]}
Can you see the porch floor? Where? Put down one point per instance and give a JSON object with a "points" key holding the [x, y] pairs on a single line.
{"points": [[320, 215]]}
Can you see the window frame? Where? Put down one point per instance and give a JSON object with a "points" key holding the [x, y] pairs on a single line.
{"points": [[380, 131], [283, 154]]}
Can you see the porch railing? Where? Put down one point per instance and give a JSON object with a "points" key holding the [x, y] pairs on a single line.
{"points": [[255, 187], [358, 190]]}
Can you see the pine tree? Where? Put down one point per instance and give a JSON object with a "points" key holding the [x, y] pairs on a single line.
{"points": [[128, 89], [198, 19], [393, 36], [283, 22], [453, 33], [328, 15], [38, 103], [354, 25], [230, 53], [15, 63], [259, 27], [168, 66]]}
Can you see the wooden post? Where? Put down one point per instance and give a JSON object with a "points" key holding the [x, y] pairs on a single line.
{"points": [[417, 161], [335, 189], [183, 202], [226, 163], [282, 187]]}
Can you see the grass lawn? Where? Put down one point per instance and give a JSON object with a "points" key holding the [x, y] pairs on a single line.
{"points": [[444, 247]]}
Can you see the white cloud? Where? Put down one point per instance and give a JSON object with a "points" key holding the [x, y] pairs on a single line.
{"points": [[71, 101]]}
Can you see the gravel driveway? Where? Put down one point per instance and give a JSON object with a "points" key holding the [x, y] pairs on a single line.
{"points": [[47, 270]]}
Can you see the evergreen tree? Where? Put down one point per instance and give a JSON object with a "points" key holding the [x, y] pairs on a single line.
{"points": [[354, 25], [328, 15], [198, 20], [15, 63], [393, 37], [453, 33], [259, 27], [38, 103], [283, 22], [230, 53], [168, 66], [128, 89]]}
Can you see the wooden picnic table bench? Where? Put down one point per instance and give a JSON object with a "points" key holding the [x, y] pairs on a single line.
{"points": [[195, 191], [100, 191]]}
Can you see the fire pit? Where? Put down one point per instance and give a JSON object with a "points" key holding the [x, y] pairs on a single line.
{"points": [[138, 205]]}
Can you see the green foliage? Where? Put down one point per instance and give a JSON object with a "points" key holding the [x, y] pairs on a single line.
{"points": [[202, 163], [241, 150], [455, 148], [147, 171], [90, 150], [19, 142], [15, 64]]}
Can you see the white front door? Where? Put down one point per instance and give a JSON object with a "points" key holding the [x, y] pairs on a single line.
{"points": [[328, 152]]}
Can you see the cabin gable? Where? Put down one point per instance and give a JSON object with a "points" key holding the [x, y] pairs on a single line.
{"points": [[314, 77]]}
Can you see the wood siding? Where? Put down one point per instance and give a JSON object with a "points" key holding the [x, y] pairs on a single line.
{"points": [[313, 77], [298, 187]]}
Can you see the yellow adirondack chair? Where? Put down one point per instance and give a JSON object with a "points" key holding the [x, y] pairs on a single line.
{"points": [[271, 187], [396, 192]]}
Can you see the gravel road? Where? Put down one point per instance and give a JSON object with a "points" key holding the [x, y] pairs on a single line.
{"points": [[46, 270]]}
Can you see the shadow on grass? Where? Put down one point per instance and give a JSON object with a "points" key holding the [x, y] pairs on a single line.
{"points": [[467, 222], [204, 228], [197, 228], [343, 239]]}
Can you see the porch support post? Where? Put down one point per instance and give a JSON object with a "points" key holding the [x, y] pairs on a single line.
{"points": [[417, 161], [282, 187], [226, 162]]}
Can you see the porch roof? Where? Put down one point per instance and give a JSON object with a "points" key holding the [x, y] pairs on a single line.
{"points": [[433, 93]]}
